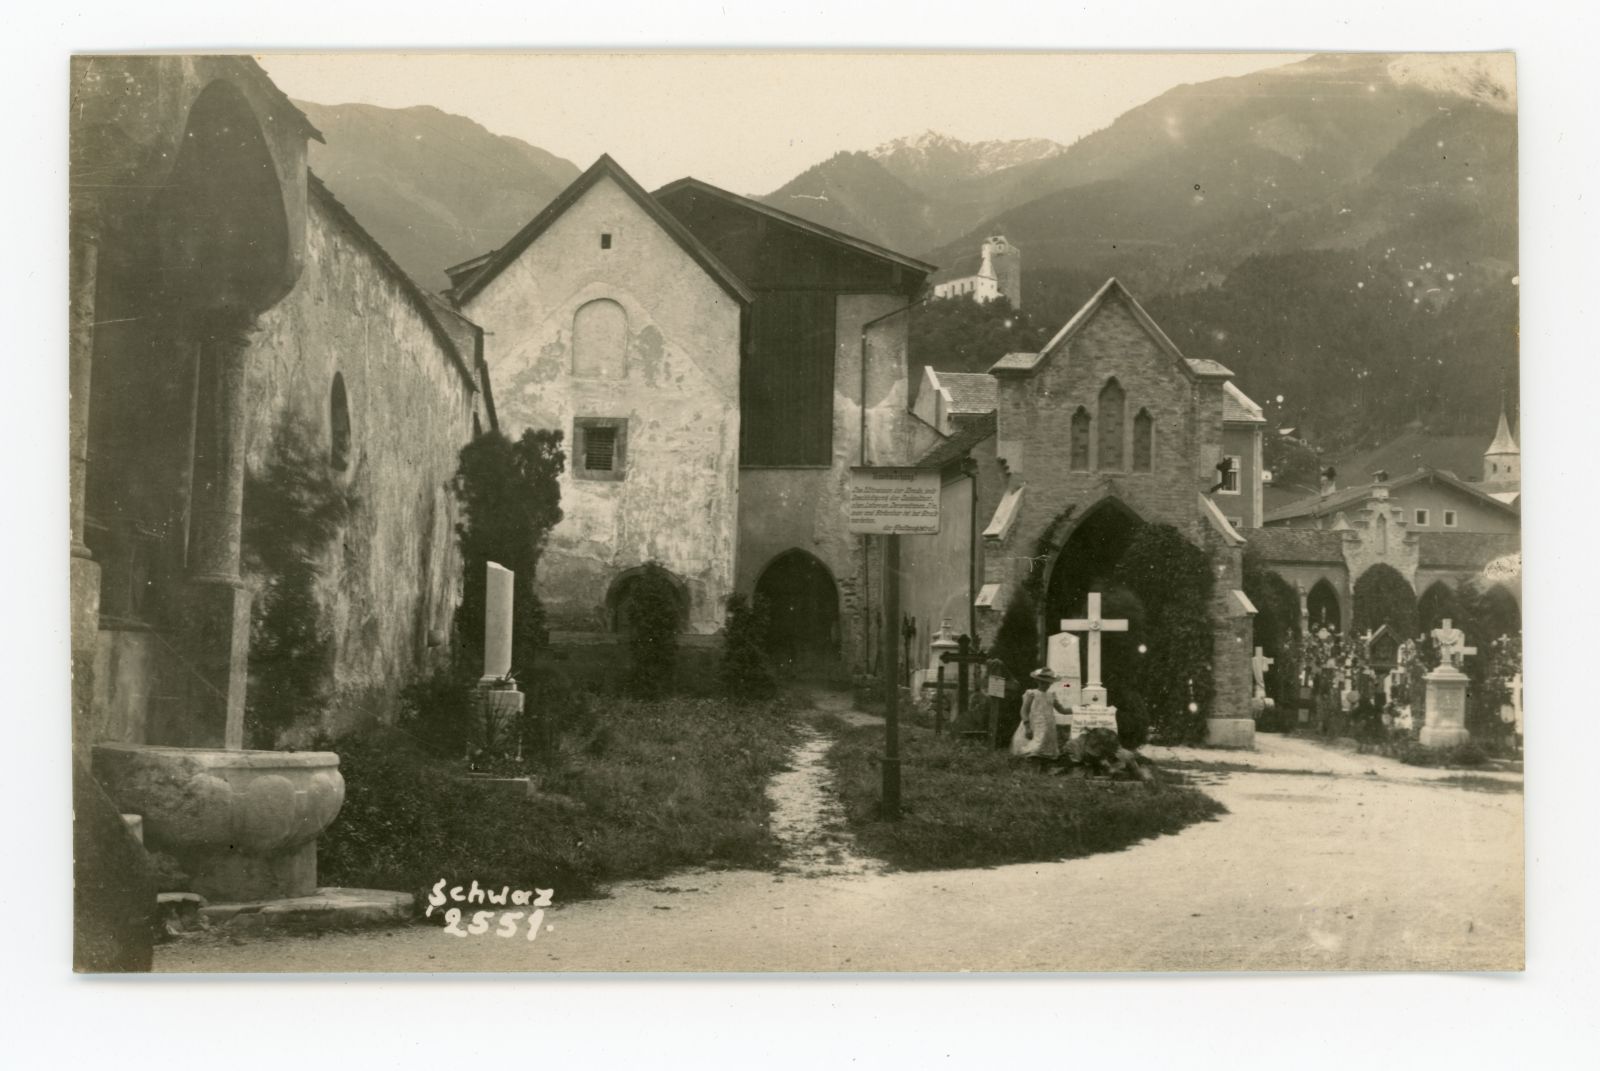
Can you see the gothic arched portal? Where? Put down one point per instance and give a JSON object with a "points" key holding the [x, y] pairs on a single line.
{"points": [[1322, 607], [803, 611]]}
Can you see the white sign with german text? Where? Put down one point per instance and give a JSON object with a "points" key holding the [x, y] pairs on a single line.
{"points": [[894, 501]]}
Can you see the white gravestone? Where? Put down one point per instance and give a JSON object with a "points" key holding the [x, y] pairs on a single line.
{"points": [[1061, 655], [1092, 712], [497, 622]]}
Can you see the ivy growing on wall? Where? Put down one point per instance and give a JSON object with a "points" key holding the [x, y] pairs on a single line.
{"points": [[1172, 579], [293, 512]]}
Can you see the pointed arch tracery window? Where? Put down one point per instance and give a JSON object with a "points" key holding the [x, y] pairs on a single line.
{"points": [[1080, 440], [1144, 442], [1111, 421]]}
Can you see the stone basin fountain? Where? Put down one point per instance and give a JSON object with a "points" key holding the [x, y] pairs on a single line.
{"points": [[243, 824]]}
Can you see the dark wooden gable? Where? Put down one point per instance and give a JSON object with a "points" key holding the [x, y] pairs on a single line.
{"points": [[787, 375]]}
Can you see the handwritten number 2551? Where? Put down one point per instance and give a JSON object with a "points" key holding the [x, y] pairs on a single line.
{"points": [[481, 921]]}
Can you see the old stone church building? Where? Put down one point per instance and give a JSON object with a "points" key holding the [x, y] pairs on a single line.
{"points": [[717, 367], [1106, 427]]}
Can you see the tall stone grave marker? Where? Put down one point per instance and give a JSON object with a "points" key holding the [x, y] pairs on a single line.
{"points": [[1092, 711], [497, 607], [499, 700], [1446, 690], [1061, 655]]}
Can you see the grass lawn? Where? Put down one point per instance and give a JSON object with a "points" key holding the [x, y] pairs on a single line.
{"points": [[647, 787], [966, 806]]}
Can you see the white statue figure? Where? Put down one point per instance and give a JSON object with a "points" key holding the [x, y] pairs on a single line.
{"points": [[1452, 644], [1259, 664]]}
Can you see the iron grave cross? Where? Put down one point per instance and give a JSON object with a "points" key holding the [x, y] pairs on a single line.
{"points": [[1094, 624]]}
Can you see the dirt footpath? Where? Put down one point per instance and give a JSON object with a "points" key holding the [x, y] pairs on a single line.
{"points": [[1326, 861]]}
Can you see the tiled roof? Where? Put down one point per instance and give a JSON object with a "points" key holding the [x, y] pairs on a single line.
{"points": [[872, 249], [970, 392], [1237, 408], [969, 433], [1321, 505], [1312, 545], [1465, 550]]}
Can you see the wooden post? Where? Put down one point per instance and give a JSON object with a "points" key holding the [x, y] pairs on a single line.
{"points": [[964, 649], [938, 704], [891, 677]]}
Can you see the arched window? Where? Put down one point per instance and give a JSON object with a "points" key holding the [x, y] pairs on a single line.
{"points": [[339, 423], [1111, 403], [1080, 440], [600, 340], [1144, 442]]}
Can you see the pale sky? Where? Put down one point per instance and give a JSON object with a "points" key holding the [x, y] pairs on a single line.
{"points": [[750, 121]]}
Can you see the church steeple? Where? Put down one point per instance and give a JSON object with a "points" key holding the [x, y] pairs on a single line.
{"points": [[1502, 461]]}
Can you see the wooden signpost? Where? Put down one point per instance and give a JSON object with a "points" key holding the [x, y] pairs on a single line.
{"points": [[889, 502]]}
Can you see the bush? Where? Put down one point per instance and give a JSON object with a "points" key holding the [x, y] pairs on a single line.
{"points": [[510, 495], [745, 671], [653, 620], [1017, 641]]}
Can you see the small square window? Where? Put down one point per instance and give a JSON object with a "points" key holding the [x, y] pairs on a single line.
{"points": [[600, 446], [1421, 519], [605, 241], [1449, 518]]}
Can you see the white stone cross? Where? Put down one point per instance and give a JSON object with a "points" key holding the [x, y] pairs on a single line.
{"points": [[1094, 624]]}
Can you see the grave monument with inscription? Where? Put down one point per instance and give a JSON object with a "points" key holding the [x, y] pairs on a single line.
{"points": [[1092, 712], [1446, 690]]}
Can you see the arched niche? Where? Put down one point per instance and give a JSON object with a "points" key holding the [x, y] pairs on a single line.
{"points": [[223, 230], [600, 340], [1322, 607], [624, 589]]}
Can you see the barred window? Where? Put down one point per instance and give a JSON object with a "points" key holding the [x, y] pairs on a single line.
{"points": [[599, 448]]}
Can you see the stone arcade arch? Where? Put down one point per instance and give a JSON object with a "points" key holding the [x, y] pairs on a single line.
{"points": [[1276, 628], [803, 603], [1437, 603], [1087, 561], [1322, 607], [620, 595], [1383, 597]]}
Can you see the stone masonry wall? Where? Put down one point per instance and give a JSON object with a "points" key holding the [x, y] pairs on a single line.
{"points": [[1034, 440], [393, 574]]}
